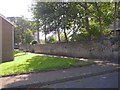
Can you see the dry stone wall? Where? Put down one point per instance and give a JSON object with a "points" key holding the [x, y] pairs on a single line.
{"points": [[104, 49]]}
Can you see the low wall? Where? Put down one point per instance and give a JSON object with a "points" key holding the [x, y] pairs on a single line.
{"points": [[104, 49]]}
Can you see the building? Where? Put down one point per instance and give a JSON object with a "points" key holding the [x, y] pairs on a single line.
{"points": [[13, 20], [117, 27], [6, 40]]}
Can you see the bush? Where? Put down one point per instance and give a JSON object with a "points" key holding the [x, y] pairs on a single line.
{"points": [[95, 30], [51, 39], [108, 33]]}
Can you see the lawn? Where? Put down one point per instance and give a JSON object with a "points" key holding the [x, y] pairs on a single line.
{"points": [[18, 53], [31, 63]]}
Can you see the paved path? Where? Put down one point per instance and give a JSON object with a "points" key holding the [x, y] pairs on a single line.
{"points": [[44, 78], [109, 80]]}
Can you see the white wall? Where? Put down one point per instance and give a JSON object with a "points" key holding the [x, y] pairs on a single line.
{"points": [[0, 39]]}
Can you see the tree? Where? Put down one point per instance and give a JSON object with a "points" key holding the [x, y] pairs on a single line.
{"points": [[85, 6], [51, 39], [22, 29], [115, 14], [17, 36], [74, 18], [29, 37], [97, 5], [102, 15]]}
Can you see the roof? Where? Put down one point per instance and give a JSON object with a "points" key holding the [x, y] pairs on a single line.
{"points": [[6, 19]]}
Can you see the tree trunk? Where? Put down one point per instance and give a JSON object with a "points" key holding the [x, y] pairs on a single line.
{"points": [[45, 32], [58, 34], [74, 30], [22, 36], [45, 38], [86, 19], [38, 35], [115, 13], [66, 38], [57, 30], [99, 16]]}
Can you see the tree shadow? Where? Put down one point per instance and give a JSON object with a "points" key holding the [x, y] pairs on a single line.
{"points": [[20, 55], [33, 66]]}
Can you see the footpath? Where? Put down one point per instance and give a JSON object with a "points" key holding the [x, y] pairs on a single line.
{"points": [[39, 79]]}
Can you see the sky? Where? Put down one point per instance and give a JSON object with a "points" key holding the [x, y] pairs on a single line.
{"points": [[10, 8]]}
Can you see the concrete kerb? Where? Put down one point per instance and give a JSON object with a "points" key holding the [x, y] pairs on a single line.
{"points": [[70, 78]]}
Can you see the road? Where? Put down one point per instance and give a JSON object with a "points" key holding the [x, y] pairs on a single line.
{"points": [[102, 81]]}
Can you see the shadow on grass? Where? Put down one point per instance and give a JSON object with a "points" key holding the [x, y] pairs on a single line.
{"points": [[44, 63], [16, 52], [20, 55]]}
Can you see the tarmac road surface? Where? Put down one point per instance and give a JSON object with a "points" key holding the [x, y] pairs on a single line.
{"points": [[102, 81]]}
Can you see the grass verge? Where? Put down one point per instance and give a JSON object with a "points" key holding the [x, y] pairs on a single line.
{"points": [[32, 63], [18, 53]]}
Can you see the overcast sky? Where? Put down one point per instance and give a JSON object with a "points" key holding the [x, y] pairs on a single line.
{"points": [[10, 8]]}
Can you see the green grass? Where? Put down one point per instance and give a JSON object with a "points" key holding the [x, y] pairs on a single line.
{"points": [[18, 53], [32, 63]]}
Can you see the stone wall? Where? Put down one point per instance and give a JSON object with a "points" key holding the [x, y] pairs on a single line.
{"points": [[104, 49]]}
